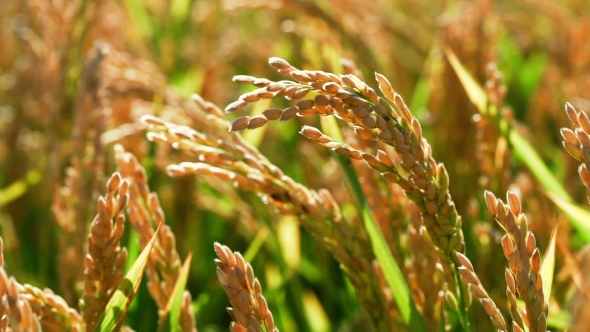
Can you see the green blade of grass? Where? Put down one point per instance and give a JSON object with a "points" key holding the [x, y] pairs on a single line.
{"points": [[18, 188], [475, 93], [120, 301], [133, 251], [169, 322], [256, 244], [560, 320], [579, 216], [391, 271], [525, 153]]}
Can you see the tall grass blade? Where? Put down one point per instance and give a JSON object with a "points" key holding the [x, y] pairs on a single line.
{"points": [[475, 93], [18, 188], [579, 216], [171, 318], [548, 265]]}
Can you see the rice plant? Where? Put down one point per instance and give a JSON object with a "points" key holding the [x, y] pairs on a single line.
{"points": [[350, 153]]}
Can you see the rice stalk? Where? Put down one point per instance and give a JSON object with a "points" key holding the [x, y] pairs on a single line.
{"points": [[103, 271], [478, 290], [387, 120], [229, 158], [351, 100], [145, 214], [577, 142], [250, 310], [524, 261], [73, 203], [492, 149]]}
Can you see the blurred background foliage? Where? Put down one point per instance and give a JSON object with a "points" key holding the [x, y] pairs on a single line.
{"points": [[57, 128]]}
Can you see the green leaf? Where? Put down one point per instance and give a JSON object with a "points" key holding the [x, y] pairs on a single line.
{"points": [[169, 322], [18, 188], [522, 74], [391, 271], [120, 301], [475, 93], [579, 216], [133, 251], [256, 244], [527, 155], [422, 90], [531, 73], [560, 319], [180, 10]]}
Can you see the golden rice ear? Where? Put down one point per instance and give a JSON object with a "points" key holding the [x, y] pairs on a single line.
{"points": [[227, 157], [105, 258], [250, 310], [577, 142], [522, 275], [28, 308], [389, 122], [477, 289]]}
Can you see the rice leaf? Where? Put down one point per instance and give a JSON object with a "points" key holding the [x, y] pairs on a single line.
{"points": [[256, 244], [475, 93], [548, 265], [170, 320], [527, 155], [18, 188], [579, 216], [120, 301]]}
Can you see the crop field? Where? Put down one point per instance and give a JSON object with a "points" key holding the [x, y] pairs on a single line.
{"points": [[294, 165]]}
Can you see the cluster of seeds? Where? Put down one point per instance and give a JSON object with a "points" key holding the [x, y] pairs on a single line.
{"points": [[250, 311], [494, 86], [373, 118], [388, 120], [28, 308], [228, 157], [15, 310], [492, 149], [235, 161], [53, 311], [105, 259], [477, 289], [344, 96], [577, 142], [523, 276]]}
